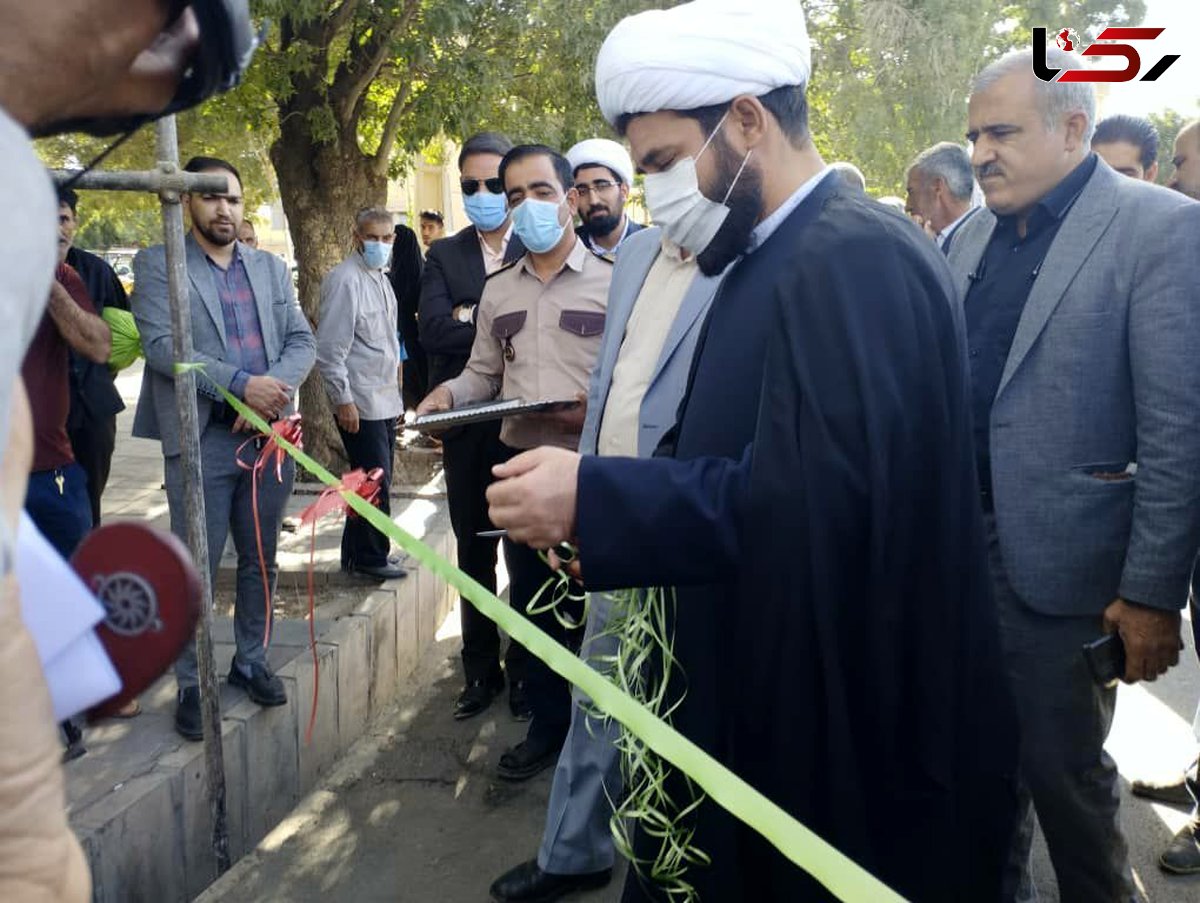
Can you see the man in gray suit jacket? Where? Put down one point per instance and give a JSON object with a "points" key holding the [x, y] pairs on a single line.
{"points": [[657, 303], [1083, 318], [250, 335]]}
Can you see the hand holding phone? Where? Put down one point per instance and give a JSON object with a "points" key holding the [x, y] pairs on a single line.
{"points": [[1106, 659]]}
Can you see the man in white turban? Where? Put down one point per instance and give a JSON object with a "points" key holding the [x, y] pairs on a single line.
{"points": [[603, 176], [815, 506]]}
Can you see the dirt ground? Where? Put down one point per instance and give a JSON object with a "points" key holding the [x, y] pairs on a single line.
{"points": [[332, 602]]}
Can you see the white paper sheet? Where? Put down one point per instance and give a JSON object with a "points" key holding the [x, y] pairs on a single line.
{"points": [[61, 612]]}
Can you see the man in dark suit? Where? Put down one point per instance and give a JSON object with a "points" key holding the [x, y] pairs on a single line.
{"points": [[95, 401], [455, 270], [405, 274]]}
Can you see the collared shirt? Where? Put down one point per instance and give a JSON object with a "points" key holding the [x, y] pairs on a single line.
{"points": [[1000, 287], [606, 253], [358, 351], [494, 260], [537, 341], [944, 236], [767, 227], [654, 312], [244, 347]]}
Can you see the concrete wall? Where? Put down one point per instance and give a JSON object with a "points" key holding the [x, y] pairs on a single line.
{"points": [[150, 838]]}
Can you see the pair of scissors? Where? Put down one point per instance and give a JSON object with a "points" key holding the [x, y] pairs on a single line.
{"points": [[564, 551]]}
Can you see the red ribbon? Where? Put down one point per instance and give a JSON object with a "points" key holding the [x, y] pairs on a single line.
{"points": [[290, 429], [368, 485]]}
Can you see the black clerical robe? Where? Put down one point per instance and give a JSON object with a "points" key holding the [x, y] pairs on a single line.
{"points": [[817, 510]]}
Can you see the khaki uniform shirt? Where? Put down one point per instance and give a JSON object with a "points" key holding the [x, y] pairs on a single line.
{"points": [[537, 342], [654, 312]]}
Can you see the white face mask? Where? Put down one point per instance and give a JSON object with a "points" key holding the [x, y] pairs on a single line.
{"points": [[680, 209]]}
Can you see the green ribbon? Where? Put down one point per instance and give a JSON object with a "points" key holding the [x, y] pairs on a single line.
{"points": [[843, 877]]}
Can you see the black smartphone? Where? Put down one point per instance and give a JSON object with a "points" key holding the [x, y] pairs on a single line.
{"points": [[1106, 659]]}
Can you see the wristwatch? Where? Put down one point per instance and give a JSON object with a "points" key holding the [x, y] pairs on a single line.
{"points": [[464, 314]]}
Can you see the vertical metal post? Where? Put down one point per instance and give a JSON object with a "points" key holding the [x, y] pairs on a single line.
{"points": [[193, 495]]}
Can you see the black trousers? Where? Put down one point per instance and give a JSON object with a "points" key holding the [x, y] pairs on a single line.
{"points": [[416, 375], [549, 694], [93, 442], [372, 446], [468, 454]]}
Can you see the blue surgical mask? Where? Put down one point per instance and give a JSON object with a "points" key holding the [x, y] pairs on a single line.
{"points": [[376, 253], [536, 224], [486, 210]]}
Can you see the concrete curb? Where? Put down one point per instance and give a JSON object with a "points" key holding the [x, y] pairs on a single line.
{"points": [[148, 838]]}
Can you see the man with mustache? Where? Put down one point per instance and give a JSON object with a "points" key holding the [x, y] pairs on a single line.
{"points": [[814, 506], [603, 176], [250, 335], [1080, 297]]}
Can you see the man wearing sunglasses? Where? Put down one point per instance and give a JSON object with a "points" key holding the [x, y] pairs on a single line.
{"points": [[603, 174], [451, 285]]}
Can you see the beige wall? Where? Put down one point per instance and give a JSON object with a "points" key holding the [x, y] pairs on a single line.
{"points": [[428, 186]]}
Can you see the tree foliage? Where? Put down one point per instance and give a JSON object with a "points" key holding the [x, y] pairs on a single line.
{"points": [[134, 219], [891, 77]]}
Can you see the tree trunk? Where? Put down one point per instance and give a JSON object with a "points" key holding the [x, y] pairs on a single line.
{"points": [[322, 187]]}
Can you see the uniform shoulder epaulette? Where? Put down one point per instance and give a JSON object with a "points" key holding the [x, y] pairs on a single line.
{"points": [[503, 269]]}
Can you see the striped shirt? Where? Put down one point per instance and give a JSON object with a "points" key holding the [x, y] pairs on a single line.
{"points": [[243, 329]]}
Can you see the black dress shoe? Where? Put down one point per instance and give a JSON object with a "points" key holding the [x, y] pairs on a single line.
{"points": [[1173, 793], [518, 700], [262, 685], [74, 736], [388, 571], [529, 884], [1182, 857], [476, 697], [187, 714], [527, 758]]}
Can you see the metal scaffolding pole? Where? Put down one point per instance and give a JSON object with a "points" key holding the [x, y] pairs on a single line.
{"points": [[169, 182]]}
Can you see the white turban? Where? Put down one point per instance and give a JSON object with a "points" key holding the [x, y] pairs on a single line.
{"points": [[602, 152], [700, 54]]}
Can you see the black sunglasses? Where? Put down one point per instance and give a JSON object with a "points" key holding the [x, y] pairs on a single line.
{"points": [[494, 185]]}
